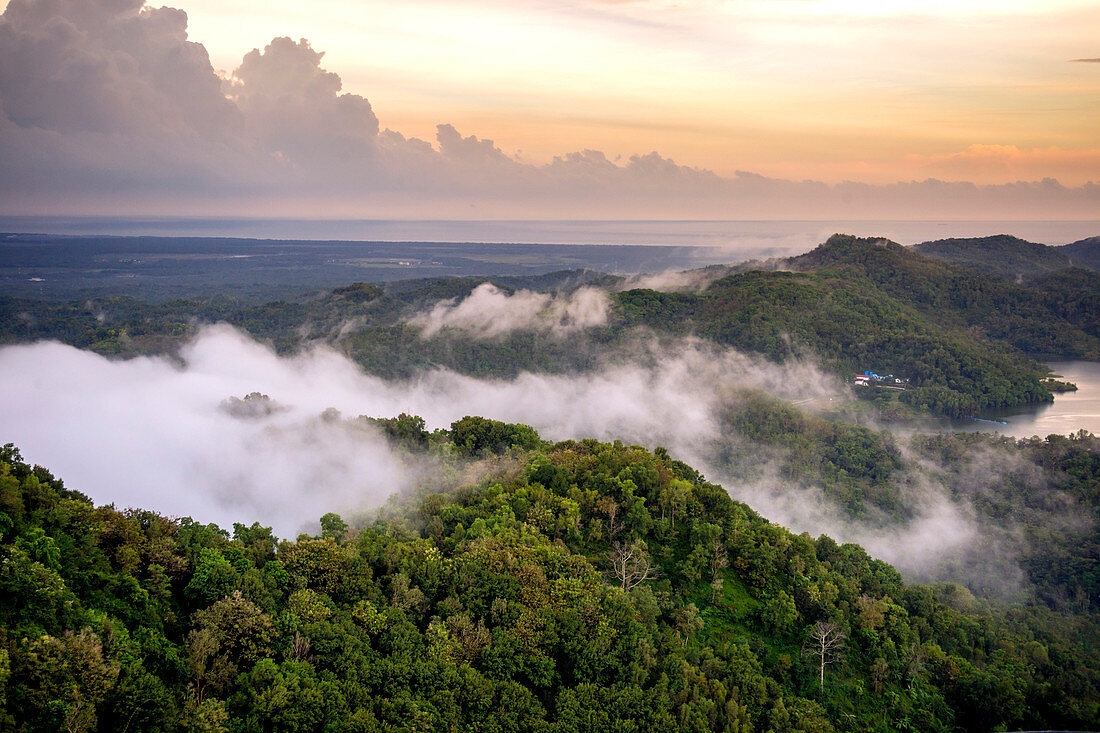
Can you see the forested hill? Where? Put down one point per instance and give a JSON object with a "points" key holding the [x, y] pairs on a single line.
{"points": [[1040, 319], [1084, 253], [965, 340], [578, 586], [959, 335], [1003, 255]]}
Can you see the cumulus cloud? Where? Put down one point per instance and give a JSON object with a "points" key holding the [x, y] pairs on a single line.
{"points": [[293, 108], [107, 67], [488, 312], [106, 106]]}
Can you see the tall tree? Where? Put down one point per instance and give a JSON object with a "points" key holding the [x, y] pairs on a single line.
{"points": [[824, 643], [632, 564]]}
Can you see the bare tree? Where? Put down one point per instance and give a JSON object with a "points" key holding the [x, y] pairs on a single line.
{"points": [[824, 643], [631, 564]]}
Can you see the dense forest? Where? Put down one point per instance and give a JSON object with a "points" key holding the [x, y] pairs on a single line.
{"points": [[575, 586], [1013, 258], [967, 341], [591, 586], [1003, 255], [1084, 253]]}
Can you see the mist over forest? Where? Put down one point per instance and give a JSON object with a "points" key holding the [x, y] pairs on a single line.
{"points": [[689, 443], [573, 355], [582, 366]]}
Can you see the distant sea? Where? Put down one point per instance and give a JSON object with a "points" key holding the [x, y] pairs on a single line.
{"points": [[747, 239]]}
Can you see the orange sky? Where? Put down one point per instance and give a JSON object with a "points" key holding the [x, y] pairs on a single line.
{"points": [[825, 89]]}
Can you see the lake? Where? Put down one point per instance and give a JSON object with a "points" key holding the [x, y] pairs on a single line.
{"points": [[1070, 411]]}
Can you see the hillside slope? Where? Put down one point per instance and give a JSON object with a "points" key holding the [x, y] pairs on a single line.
{"points": [[1003, 255], [958, 335], [1083, 253], [580, 586]]}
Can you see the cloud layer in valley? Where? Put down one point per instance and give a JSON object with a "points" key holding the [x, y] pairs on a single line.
{"points": [[150, 433], [147, 432], [107, 107]]}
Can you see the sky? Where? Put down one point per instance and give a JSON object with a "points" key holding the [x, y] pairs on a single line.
{"points": [[552, 108], [824, 89]]}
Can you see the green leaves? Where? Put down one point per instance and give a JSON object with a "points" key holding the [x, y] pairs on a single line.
{"points": [[498, 607], [214, 577], [474, 436], [40, 548]]}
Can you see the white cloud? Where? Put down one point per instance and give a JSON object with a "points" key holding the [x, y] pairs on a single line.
{"points": [[107, 107], [152, 434], [147, 432], [293, 108], [488, 312]]}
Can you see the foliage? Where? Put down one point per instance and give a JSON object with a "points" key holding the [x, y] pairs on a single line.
{"points": [[1002, 255], [500, 606], [963, 338], [860, 304]]}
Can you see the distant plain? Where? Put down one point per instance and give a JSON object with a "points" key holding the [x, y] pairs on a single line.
{"points": [[163, 258]]}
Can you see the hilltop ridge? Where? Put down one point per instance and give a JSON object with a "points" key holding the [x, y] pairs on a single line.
{"points": [[1084, 252], [1013, 258], [967, 341]]}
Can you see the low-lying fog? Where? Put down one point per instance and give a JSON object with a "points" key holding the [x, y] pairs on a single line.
{"points": [[155, 434]]}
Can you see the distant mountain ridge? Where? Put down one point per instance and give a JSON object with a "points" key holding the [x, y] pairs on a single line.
{"points": [[1013, 258], [960, 335], [967, 340]]}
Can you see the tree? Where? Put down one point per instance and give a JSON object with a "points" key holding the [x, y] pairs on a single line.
{"points": [[473, 436], [229, 636], [214, 577], [631, 564], [206, 665], [40, 547], [333, 527], [64, 679], [719, 558], [779, 612], [607, 505], [405, 430], [824, 643]]}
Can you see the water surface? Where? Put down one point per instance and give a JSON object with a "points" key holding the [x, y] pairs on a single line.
{"points": [[1070, 411]]}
